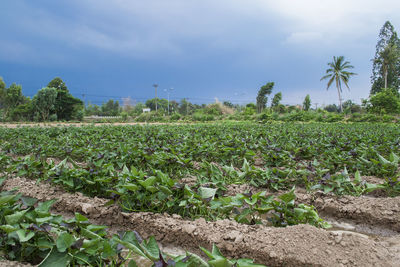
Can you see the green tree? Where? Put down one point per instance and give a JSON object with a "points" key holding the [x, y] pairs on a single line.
{"points": [[262, 97], [307, 103], [44, 102], [2, 91], [387, 37], [337, 72], [161, 103], [276, 100], [12, 98], [185, 107], [351, 107], [384, 102], [388, 58], [66, 106], [110, 108]]}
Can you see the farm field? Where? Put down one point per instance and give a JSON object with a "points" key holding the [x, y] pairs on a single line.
{"points": [[279, 194]]}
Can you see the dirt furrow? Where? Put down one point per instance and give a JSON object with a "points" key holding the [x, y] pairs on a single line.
{"points": [[300, 245], [382, 212]]}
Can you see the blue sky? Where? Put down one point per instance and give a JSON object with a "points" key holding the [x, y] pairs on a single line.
{"points": [[207, 49]]}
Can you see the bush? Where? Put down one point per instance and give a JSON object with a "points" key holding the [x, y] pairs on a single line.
{"points": [[202, 117], [53, 117], [175, 117]]}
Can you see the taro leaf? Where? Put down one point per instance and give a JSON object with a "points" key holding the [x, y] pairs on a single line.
{"points": [[8, 228], [215, 251], [44, 207], [16, 217], [288, 197], [95, 228], [23, 236], [131, 187], [148, 182], [6, 199], [108, 251], [383, 160], [357, 177], [132, 263], [394, 158], [43, 243], [220, 262], [44, 219], [131, 247], [64, 241], [56, 259], [28, 201], [197, 260], [207, 193], [208, 253], [89, 234], [150, 247], [165, 190], [80, 218], [247, 263]]}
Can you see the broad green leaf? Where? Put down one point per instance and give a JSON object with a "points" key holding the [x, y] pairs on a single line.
{"points": [[357, 177], [206, 192], [288, 197], [56, 259], [44, 207], [16, 217], [148, 182], [151, 248], [6, 199], [80, 218], [8, 228], [64, 241], [24, 236], [131, 187], [220, 262]]}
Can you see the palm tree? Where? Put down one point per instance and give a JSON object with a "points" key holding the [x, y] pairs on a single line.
{"points": [[337, 72], [389, 56]]}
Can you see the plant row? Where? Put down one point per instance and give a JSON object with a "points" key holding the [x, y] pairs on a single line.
{"points": [[30, 233]]}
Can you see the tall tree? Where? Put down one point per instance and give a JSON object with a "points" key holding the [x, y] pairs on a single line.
{"points": [[276, 100], [66, 105], [337, 72], [44, 102], [12, 98], [307, 103], [387, 36], [262, 97], [2, 91], [388, 58]]}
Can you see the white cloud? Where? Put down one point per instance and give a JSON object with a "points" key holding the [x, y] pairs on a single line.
{"points": [[304, 37]]}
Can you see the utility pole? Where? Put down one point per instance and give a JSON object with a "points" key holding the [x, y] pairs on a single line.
{"points": [[168, 92], [155, 86]]}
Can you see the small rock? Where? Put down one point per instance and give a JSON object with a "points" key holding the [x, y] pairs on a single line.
{"points": [[189, 228], [87, 208]]}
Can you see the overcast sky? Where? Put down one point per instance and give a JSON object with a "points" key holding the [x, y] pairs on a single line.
{"points": [[206, 49]]}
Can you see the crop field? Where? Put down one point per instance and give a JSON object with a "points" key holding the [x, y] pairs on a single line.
{"points": [[221, 194]]}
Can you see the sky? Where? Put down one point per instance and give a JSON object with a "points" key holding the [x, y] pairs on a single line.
{"points": [[203, 50]]}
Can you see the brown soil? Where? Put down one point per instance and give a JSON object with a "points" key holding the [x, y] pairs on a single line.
{"points": [[300, 245], [4, 263]]}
